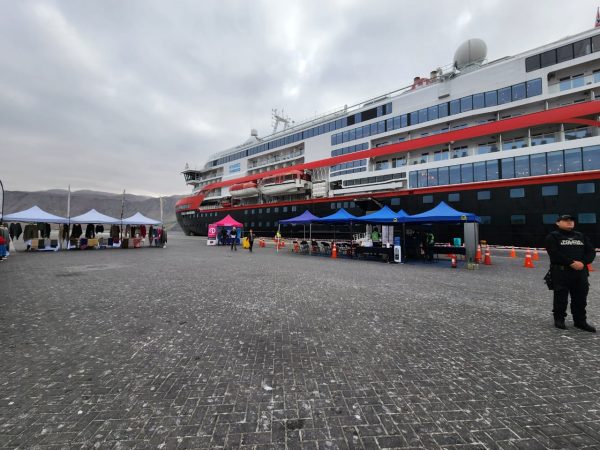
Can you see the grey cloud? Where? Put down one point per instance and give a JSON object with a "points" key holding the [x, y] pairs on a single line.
{"points": [[116, 95]]}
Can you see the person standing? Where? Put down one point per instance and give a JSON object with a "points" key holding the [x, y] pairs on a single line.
{"points": [[250, 239], [570, 252], [233, 236]]}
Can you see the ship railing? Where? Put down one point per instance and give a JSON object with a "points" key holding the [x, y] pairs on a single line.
{"points": [[573, 83]]}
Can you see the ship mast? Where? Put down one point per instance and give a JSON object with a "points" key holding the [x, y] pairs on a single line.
{"points": [[278, 118]]}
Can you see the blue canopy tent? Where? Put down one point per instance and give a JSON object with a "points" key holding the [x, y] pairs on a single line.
{"points": [[384, 216], [340, 216], [443, 213], [305, 218]]}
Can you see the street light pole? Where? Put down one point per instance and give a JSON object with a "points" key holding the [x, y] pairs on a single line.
{"points": [[2, 210]]}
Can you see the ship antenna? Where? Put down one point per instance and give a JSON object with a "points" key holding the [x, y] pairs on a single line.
{"points": [[277, 118]]}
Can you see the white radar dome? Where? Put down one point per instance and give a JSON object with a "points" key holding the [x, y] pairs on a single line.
{"points": [[469, 53]]}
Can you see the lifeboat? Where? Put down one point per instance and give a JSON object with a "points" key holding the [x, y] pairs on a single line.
{"points": [[292, 182], [243, 190]]}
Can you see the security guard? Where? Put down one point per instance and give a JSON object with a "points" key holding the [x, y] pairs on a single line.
{"points": [[570, 252]]}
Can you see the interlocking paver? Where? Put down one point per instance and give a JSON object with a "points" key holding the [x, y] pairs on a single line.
{"points": [[198, 347]]}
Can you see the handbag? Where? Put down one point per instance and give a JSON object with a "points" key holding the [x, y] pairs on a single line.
{"points": [[548, 280]]}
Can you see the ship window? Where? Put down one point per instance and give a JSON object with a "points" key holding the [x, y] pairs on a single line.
{"points": [[538, 164], [267, 224], [478, 101], [454, 197], [259, 224], [412, 179], [245, 212], [550, 190], [414, 118], [508, 168], [548, 58], [454, 107], [555, 162], [504, 95], [586, 188], [442, 110], [253, 212], [268, 210], [432, 112], [294, 208], [573, 160], [517, 193], [591, 158], [423, 115], [582, 48], [276, 210], [549, 219], [484, 195], [395, 201], [518, 92], [454, 174], [586, 218], [373, 128], [381, 126], [517, 219], [491, 98], [404, 120], [486, 220], [432, 177], [479, 171], [443, 176], [422, 178], [428, 199], [534, 87], [466, 104], [522, 166], [564, 53], [532, 63], [596, 43], [332, 205], [466, 173], [285, 209], [251, 224]]}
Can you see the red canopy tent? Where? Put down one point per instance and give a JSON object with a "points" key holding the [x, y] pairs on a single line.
{"points": [[228, 221]]}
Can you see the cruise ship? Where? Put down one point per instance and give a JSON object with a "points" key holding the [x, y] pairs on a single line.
{"points": [[514, 141]]}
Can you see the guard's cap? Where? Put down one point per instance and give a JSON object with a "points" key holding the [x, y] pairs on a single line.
{"points": [[565, 217]]}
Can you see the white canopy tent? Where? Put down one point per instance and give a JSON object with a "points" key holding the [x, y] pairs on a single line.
{"points": [[93, 216], [139, 219], [34, 214]]}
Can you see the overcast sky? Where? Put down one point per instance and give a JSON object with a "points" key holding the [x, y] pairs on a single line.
{"points": [[111, 94]]}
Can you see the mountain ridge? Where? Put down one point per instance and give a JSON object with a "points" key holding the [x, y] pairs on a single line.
{"points": [[55, 202]]}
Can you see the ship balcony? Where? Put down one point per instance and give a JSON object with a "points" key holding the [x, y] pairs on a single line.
{"points": [[574, 82], [275, 160]]}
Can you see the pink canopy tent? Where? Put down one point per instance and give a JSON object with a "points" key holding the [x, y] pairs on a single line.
{"points": [[227, 221]]}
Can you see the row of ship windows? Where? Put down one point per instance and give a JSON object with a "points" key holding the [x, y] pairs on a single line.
{"points": [[564, 53], [550, 190], [481, 100], [560, 161], [359, 117], [547, 219], [350, 149]]}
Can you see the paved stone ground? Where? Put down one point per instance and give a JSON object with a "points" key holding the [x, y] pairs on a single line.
{"points": [[201, 347]]}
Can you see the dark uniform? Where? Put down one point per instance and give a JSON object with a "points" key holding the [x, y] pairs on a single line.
{"points": [[564, 248]]}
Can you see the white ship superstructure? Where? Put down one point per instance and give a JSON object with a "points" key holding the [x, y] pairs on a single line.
{"points": [[519, 120]]}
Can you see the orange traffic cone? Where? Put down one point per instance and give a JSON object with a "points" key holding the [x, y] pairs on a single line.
{"points": [[513, 254], [536, 257], [478, 255], [334, 251], [590, 268], [488, 257], [528, 262], [453, 261]]}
